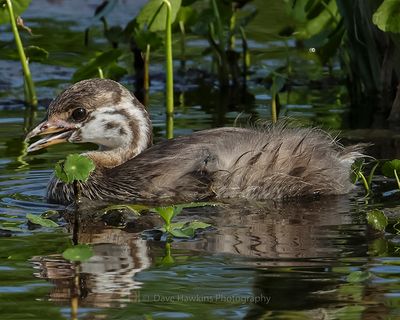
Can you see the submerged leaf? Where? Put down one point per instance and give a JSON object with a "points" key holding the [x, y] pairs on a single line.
{"points": [[80, 252], [358, 276], [377, 219], [41, 221]]}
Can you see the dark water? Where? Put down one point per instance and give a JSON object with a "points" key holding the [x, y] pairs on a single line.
{"points": [[260, 260]]}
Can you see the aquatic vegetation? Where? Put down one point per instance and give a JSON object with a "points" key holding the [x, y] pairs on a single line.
{"points": [[78, 253], [391, 169], [358, 174], [377, 219], [179, 229], [30, 92], [44, 222], [74, 168], [158, 15]]}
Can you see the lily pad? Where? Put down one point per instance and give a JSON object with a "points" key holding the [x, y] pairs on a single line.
{"points": [[41, 221], [377, 219], [75, 167], [80, 252]]}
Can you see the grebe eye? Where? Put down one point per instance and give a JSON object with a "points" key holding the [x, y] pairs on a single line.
{"points": [[79, 114]]}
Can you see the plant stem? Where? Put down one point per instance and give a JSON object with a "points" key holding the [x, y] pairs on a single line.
{"points": [[273, 109], [31, 96], [169, 66], [146, 81], [397, 178], [183, 40], [101, 74], [365, 182]]}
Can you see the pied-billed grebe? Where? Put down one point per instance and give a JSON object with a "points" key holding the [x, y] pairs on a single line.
{"points": [[270, 163]]}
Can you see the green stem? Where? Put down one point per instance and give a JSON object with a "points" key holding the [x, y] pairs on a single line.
{"points": [[183, 40], [365, 182], [397, 178], [146, 79], [101, 74], [31, 98], [169, 64], [273, 109]]}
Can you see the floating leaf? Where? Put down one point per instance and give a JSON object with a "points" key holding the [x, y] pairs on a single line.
{"points": [[185, 229], [168, 213], [358, 276], [80, 252], [154, 14], [136, 209], [182, 233], [386, 17], [10, 228], [75, 167], [19, 6], [389, 167], [35, 53], [377, 219], [41, 221]]}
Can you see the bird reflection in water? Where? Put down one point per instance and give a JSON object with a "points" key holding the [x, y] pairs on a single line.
{"points": [[259, 236]]}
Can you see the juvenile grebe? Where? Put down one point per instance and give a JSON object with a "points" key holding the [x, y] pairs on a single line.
{"points": [[270, 163]]}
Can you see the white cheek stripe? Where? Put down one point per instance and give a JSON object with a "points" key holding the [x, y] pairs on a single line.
{"points": [[91, 129]]}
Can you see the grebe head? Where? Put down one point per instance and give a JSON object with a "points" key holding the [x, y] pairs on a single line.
{"points": [[99, 111]]}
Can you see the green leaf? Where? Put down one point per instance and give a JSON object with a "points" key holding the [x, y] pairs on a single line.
{"points": [[199, 225], [377, 219], [10, 228], [103, 60], [35, 53], [154, 14], [168, 213], [115, 72], [136, 209], [357, 168], [386, 17], [358, 276], [80, 252], [186, 15], [19, 7], [41, 221], [183, 229], [182, 233], [75, 167], [389, 167], [146, 37], [60, 173]]}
